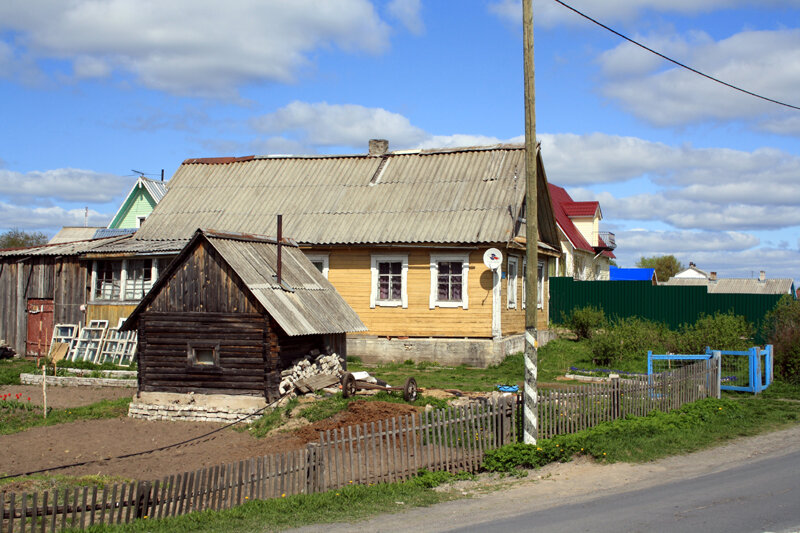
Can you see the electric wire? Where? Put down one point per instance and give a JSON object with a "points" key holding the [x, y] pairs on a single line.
{"points": [[134, 454], [678, 63]]}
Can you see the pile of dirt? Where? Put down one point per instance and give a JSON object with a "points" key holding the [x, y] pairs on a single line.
{"points": [[358, 412]]}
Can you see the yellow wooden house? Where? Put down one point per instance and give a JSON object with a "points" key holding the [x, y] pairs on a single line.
{"points": [[401, 235]]}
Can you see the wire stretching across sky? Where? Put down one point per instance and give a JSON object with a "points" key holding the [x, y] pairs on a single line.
{"points": [[703, 74]]}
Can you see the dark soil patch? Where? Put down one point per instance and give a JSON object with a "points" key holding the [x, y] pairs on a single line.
{"points": [[97, 443]]}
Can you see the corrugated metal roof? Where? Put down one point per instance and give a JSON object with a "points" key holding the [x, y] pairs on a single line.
{"points": [[737, 285], [314, 307], [581, 209], [157, 189], [448, 196], [72, 234], [127, 244], [68, 248]]}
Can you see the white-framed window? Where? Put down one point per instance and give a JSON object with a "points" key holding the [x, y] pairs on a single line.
{"points": [[139, 278], [524, 275], [449, 280], [389, 281], [106, 280], [139, 220], [539, 284], [123, 280], [512, 272], [540, 273], [320, 261]]}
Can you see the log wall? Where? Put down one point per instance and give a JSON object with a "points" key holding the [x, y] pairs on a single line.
{"points": [[164, 357]]}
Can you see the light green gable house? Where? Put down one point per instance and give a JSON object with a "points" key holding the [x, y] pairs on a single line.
{"points": [[139, 203]]}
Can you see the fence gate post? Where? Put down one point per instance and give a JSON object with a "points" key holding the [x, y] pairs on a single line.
{"points": [[718, 363]]}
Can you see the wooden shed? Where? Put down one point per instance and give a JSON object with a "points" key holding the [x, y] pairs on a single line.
{"points": [[218, 320]]}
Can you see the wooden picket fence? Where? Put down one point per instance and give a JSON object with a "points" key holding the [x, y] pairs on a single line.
{"points": [[451, 439], [581, 407]]}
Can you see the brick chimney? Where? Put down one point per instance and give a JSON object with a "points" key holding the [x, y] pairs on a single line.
{"points": [[378, 147], [691, 264], [762, 276], [712, 276]]}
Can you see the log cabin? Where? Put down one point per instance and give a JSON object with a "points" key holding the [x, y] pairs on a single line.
{"points": [[232, 311]]}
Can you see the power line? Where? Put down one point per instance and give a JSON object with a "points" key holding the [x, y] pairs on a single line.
{"points": [[640, 45], [134, 454]]}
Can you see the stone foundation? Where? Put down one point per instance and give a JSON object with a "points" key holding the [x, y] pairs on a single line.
{"points": [[195, 407], [479, 353], [70, 381]]}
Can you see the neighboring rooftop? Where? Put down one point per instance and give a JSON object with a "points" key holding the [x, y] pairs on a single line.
{"points": [[564, 208], [736, 285], [459, 195], [72, 234]]}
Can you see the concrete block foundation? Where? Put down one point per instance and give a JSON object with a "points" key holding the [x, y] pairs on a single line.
{"points": [[195, 407], [479, 353]]}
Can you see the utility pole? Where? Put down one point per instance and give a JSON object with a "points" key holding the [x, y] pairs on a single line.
{"points": [[531, 422]]}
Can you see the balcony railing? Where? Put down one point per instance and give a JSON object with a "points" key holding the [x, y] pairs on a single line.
{"points": [[606, 240]]}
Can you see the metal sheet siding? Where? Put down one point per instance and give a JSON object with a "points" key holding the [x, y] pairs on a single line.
{"points": [[449, 197]]}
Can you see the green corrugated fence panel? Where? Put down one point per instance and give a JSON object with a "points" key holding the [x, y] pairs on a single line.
{"points": [[671, 305]]}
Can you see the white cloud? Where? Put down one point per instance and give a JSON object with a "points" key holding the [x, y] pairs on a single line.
{"points": [[47, 219], [408, 12], [323, 124], [764, 62], [682, 242], [196, 47], [63, 184]]}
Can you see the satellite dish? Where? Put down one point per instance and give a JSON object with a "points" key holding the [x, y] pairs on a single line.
{"points": [[493, 258]]}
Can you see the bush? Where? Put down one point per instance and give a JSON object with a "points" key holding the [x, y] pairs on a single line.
{"points": [[585, 321], [781, 328], [628, 339], [720, 331]]}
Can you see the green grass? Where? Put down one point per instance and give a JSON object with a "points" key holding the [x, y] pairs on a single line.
{"points": [[347, 504], [41, 482], [555, 359], [16, 416], [10, 369], [693, 427]]}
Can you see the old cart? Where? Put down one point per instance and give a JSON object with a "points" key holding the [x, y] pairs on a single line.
{"points": [[351, 385]]}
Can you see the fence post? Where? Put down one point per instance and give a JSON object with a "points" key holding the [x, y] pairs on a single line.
{"points": [[615, 407], [718, 363], [313, 467]]}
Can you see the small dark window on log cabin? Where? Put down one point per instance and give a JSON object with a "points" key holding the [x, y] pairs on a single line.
{"points": [[204, 355]]}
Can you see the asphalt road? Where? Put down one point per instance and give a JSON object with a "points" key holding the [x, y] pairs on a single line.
{"points": [[759, 496], [748, 485]]}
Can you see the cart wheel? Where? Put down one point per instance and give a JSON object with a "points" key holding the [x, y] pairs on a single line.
{"points": [[348, 385], [410, 390]]}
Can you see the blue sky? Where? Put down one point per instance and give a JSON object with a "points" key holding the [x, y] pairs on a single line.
{"points": [[91, 89]]}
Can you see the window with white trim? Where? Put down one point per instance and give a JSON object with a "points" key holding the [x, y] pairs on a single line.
{"points": [[540, 285], [123, 280], [139, 278], [320, 261], [512, 271], [524, 275], [449, 280], [389, 281], [140, 220]]}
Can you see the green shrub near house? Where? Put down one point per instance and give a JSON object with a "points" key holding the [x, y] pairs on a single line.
{"points": [[781, 328]]}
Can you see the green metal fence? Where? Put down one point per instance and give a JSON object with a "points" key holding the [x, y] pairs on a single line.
{"points": [[671, 305]]}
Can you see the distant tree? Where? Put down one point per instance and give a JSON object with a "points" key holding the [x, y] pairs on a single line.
{"points": [[666, 265], [16, 238]]}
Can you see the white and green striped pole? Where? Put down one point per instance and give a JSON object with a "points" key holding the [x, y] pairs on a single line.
{"points": [[530, 410]]}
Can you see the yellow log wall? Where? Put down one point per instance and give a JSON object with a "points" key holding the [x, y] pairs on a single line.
{"points": [[112, 313]]}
